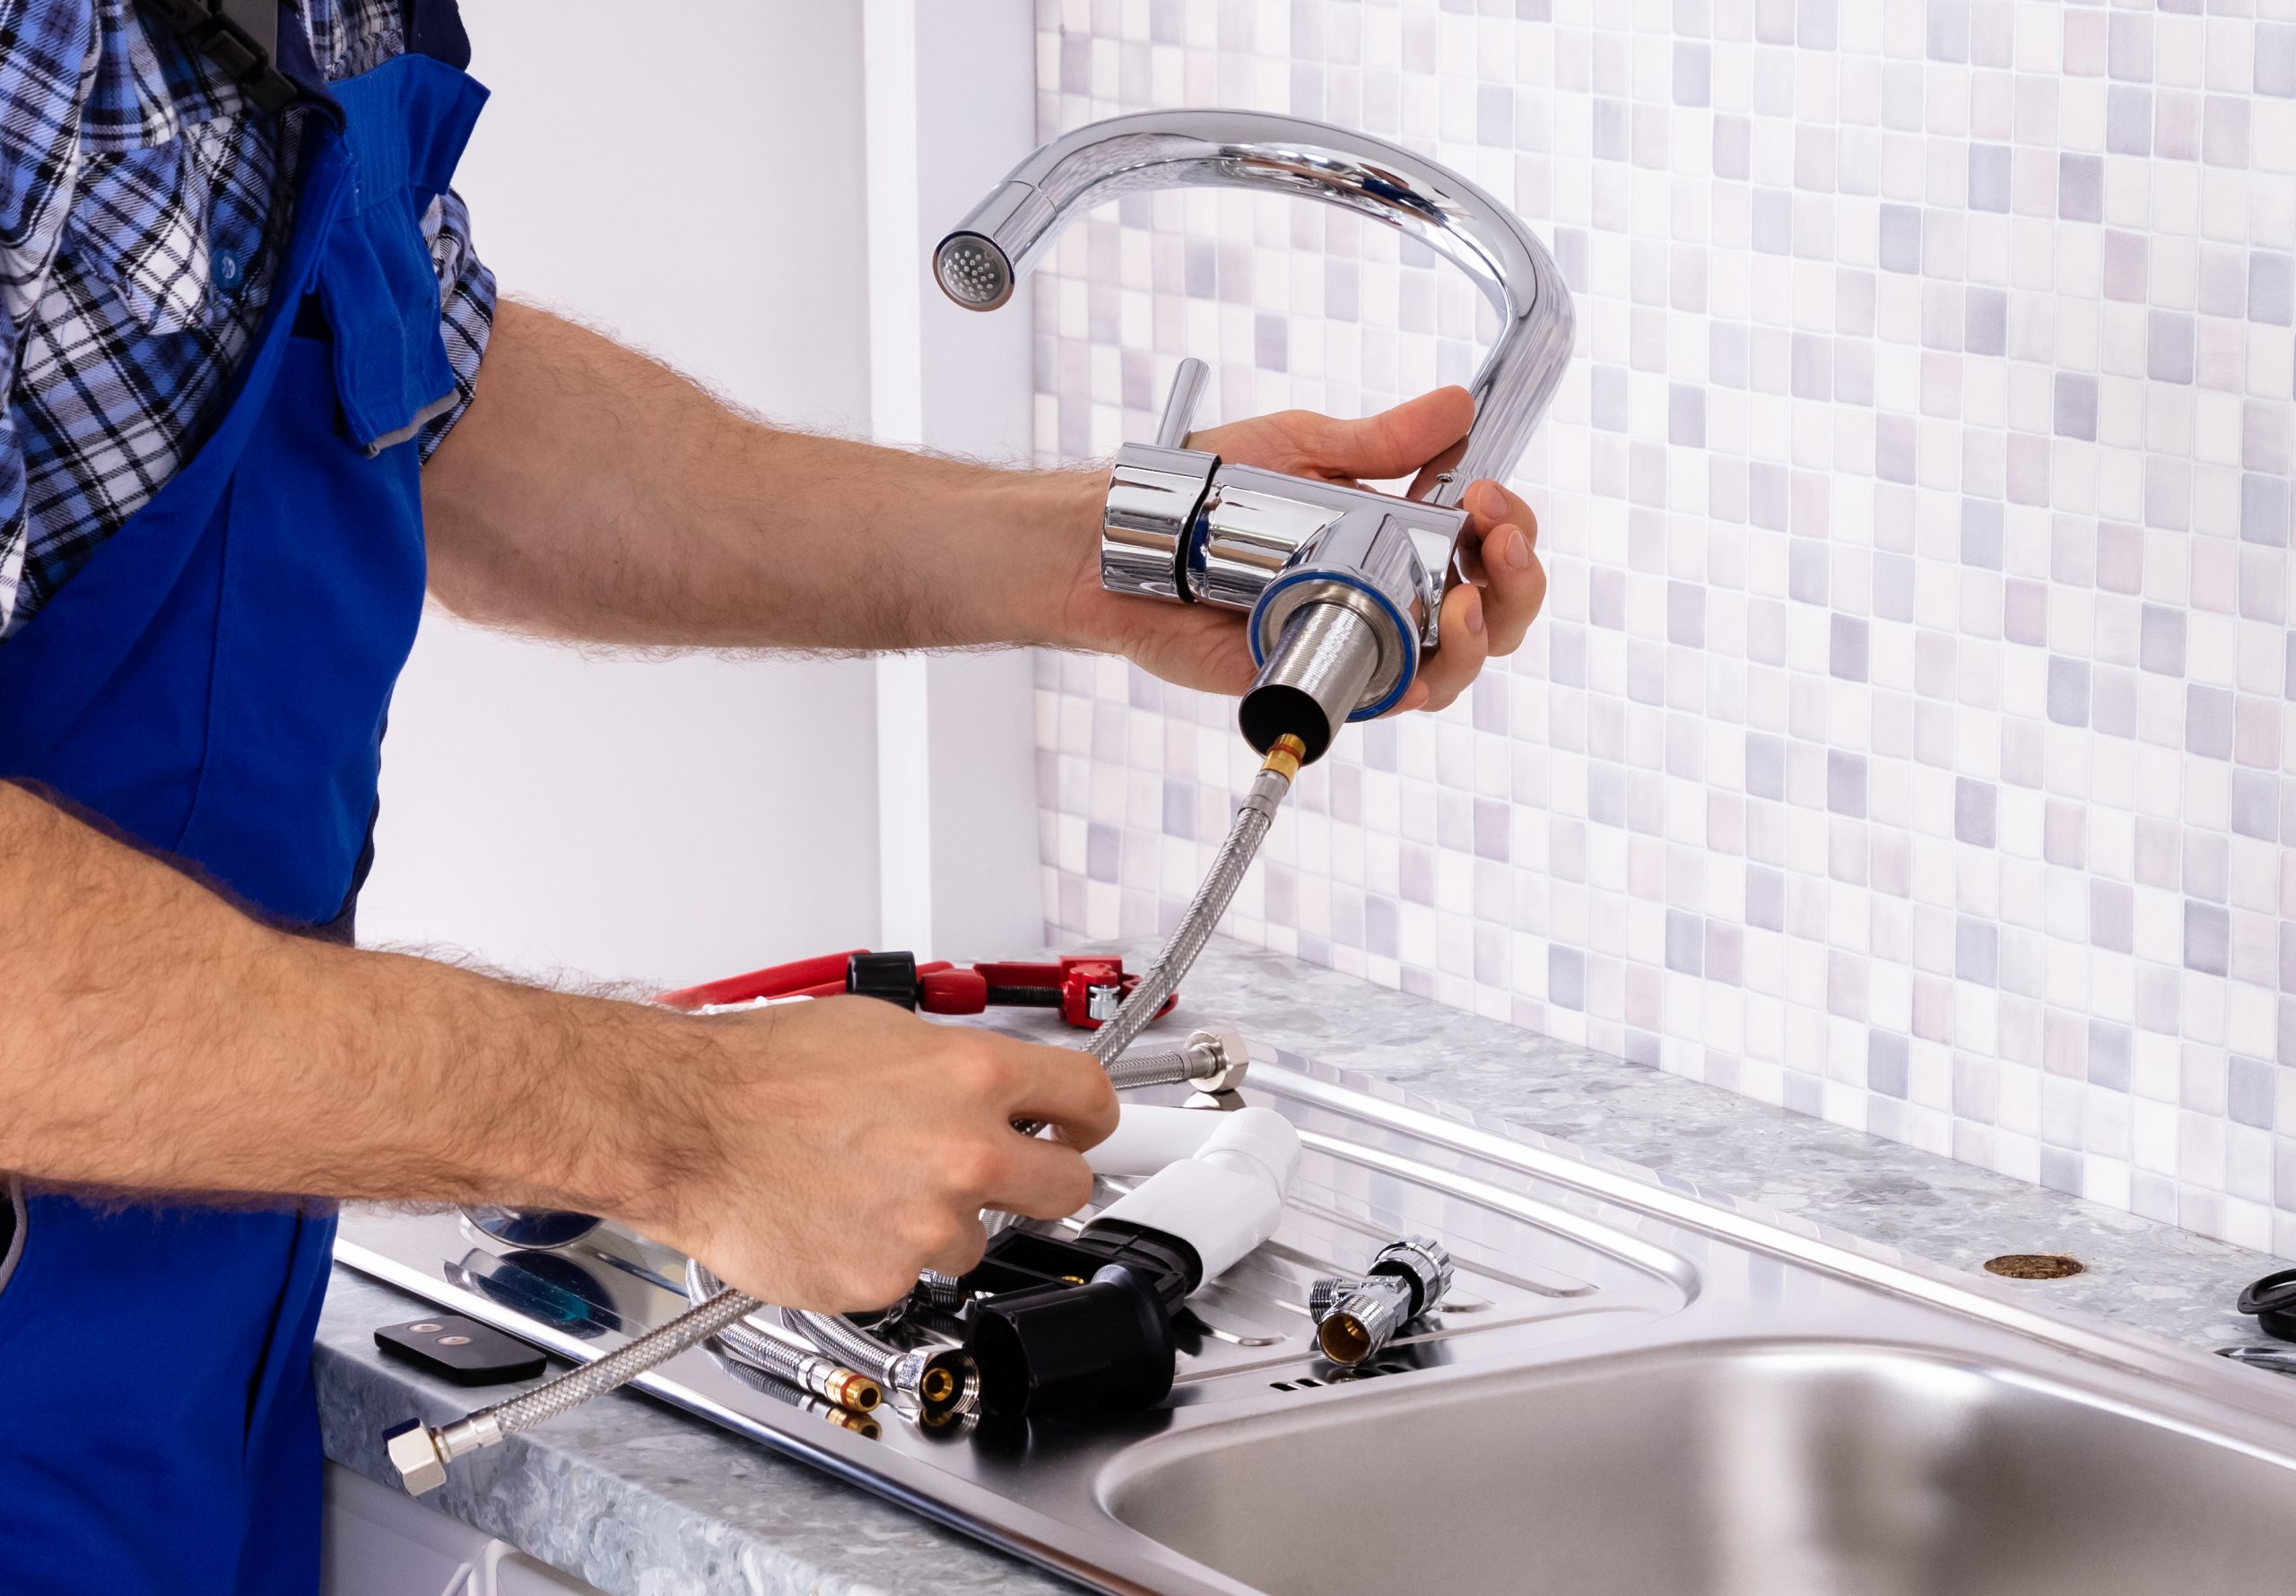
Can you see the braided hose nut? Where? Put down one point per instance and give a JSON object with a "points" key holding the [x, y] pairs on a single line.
{"points": [[809, 1372], [944, 1383], [413, 1450], [846, 1387]]}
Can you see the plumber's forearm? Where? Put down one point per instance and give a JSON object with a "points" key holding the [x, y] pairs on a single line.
{"points": [[590, 493], [159, 1040]]}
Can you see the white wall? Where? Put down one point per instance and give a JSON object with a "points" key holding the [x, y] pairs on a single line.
{"points": [[952, 109], [671, 820]]}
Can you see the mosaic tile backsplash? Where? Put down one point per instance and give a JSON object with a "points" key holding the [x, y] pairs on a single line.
{"points": [[1911, 736]]}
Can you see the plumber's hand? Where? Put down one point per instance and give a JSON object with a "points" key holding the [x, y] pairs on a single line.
{"points": [[1203, 648], [843, 1145]]}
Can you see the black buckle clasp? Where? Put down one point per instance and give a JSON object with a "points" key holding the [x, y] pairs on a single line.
{"points": [[241, 37]]}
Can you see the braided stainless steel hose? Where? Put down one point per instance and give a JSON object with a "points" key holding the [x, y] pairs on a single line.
{"points": [[807, 1363], [422, 1452], [1210, 902], [1208, 1061]]}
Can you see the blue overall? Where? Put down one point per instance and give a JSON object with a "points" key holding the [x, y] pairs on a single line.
{"points": [[213, 684]]}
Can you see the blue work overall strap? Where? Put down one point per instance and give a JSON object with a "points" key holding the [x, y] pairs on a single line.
{"points": [[214, 684]]}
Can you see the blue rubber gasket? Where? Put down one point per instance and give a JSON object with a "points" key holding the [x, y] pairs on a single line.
{"points": [[1345, 579]]}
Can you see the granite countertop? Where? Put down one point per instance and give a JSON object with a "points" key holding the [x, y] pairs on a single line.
{"points": [[643, 1501]]}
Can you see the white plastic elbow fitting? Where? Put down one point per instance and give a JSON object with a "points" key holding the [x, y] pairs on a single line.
{"points": [[1216, 1181]]}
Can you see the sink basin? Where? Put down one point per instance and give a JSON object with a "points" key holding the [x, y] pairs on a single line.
{"points": [[1781, 1469], [1630, 1389]]}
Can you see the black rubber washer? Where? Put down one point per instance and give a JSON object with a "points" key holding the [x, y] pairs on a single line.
{"points": [[2273, 1300]]}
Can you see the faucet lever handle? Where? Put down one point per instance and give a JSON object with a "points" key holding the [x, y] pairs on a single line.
{"points": [[1188, 384]]}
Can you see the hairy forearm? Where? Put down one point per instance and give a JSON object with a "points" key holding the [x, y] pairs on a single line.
{"points": [[590, 493], [160, 1039]]}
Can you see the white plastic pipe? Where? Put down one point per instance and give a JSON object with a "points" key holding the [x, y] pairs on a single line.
{"points": [[1219, 1181], [1147, 1138]]}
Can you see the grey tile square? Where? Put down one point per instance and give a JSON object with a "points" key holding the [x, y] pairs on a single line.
{"points": [[1686, 416], [2076, 405], [1985, 330], [1901, 239], [2160, 646], [2024, 612], [2271, 287], [2169, 346], [2081, 188], [2069, 691], [2111, 914], [1887, 1062], [1846, 783], [2129, 50], [1685, 942], [2263, 508], [2275, 58], [1976, 949], [1973, 811], [2109, 1050], [1765, 898], [1981, 534], [1566, 977], [2128, 120], [2208, 721], [2208, 935], [2252, 1092], [1949, 40], [1693, 77], [1686, 614], [2061, 1169], [1988, 177]]}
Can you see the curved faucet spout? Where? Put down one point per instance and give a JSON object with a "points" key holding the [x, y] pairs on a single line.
{"points": [[997, 245]]}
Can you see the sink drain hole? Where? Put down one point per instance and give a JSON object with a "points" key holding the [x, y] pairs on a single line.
{"points": [[2035, 1266]]}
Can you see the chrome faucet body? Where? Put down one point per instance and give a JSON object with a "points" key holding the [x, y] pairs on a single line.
{"points": [[1345, 586]]}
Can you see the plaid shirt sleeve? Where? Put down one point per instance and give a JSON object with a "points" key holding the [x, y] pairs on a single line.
{"points": [[142, 209], [47, 66], [465, 306]]}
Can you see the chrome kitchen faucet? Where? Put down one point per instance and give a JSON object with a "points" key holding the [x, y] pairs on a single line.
{"points": [[1345, 586]]}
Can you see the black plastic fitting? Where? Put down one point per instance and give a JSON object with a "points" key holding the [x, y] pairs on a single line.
{"points": [[1077, 1324]]}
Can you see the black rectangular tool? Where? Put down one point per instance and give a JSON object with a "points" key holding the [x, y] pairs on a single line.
{"points": [[461, 1350]]}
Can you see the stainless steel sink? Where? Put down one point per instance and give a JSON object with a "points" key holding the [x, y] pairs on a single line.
{"points": [[1780, 1468], [1632, 1391]]}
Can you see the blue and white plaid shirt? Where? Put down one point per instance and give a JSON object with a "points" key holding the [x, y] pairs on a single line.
{"points": [[143, 211]]}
